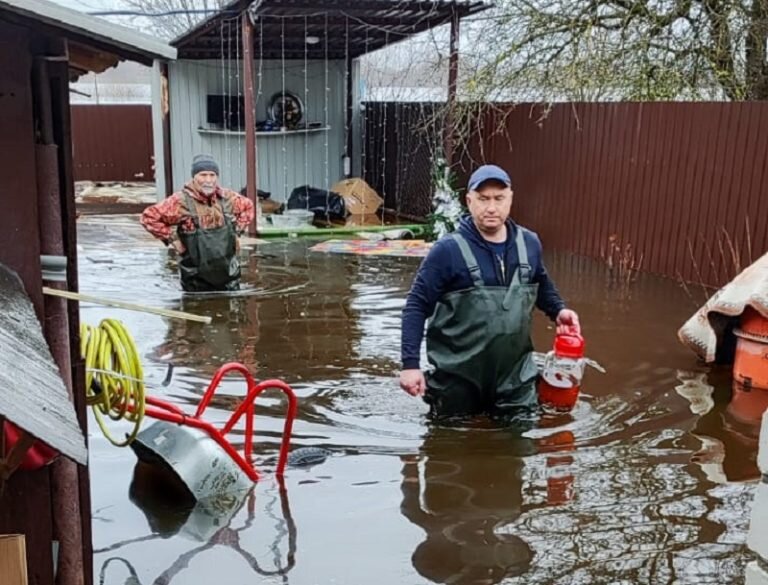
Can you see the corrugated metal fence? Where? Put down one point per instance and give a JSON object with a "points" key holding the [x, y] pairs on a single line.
{"points": [[683, 184], [112, 142]]}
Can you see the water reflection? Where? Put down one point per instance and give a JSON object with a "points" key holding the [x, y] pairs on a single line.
{"points": [[638, 486], [462, 487], [309, 331], [728, 426], [171, 511]]}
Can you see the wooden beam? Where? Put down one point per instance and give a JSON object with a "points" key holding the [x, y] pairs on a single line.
{"points": [[83, 298], [165, 114], [250, 121], [453, 75]]}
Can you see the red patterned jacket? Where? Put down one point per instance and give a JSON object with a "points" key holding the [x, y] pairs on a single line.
{"points": [[161, 219]]}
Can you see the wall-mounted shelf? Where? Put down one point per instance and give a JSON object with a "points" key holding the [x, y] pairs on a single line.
{"points": [[262, 133]]}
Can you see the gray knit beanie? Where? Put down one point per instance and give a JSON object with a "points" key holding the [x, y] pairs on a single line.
{"points": [[204, 162]]}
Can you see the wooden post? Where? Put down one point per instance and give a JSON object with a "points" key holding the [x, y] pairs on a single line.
{"points": [[165, 114], [250, 120], [453, 76]]}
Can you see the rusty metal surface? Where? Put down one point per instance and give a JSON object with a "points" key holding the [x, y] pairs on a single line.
{"points": [[112, 143], [26, 503], [355, 27]]}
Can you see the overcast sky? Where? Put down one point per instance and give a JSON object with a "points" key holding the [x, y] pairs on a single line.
{"points": [[91, 5]]}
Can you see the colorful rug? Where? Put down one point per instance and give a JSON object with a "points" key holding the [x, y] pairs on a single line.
{"points": [[415, 248]]}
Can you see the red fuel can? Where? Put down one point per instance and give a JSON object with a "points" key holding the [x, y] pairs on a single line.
{"points": [[562, 373]]}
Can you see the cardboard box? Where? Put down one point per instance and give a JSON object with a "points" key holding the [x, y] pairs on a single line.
{"points": [[269, 206], [359, 198], [13, 559], [363, 220]]}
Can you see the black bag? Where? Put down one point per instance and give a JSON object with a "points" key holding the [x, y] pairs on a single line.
{"points": [[324, 204], [259, 193]]}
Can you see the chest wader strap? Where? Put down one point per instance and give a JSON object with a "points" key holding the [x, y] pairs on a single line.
{"points": [[524, 272], [469, 260]]}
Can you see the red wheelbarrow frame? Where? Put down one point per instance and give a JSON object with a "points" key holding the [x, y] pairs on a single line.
{"points": [[39, 454], [162, 410]]}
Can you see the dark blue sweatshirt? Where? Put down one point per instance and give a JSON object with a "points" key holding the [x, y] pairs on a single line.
{"points": [[444, 270]]}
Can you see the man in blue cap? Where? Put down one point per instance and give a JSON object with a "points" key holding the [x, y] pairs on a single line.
{"points": [[477, 288]]}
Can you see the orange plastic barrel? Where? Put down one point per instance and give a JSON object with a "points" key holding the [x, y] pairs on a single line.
{"points": [[750, 367], [747, 407]]}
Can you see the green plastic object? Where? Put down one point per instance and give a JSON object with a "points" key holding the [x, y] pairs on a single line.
{"points": [[415, 229]]}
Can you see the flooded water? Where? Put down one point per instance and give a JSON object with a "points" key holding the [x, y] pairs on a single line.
{"points": [[649, 480]]}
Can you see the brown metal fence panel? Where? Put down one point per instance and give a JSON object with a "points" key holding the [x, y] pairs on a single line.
{"points": [[684, 185], [112, 142]]}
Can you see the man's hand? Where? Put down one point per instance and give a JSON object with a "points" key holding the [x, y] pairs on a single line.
{"points": [[568, 322], [179, 247], [413, 382]]}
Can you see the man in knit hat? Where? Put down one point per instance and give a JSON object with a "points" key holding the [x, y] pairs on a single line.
{"points": [[202, 222]]}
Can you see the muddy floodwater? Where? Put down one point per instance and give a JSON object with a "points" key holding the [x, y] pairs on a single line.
{"points": [[649, 480]]}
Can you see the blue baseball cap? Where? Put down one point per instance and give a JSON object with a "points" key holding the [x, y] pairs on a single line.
{"points": [[488, 173]]}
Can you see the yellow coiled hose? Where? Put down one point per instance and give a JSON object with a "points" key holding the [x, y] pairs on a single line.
{"points": [[114, 378]]}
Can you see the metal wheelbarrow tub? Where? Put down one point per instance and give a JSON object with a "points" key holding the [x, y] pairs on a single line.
{"points": [[193, 456]]}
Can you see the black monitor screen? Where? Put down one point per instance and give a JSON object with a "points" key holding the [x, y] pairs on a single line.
{"points": [[225, 111]]}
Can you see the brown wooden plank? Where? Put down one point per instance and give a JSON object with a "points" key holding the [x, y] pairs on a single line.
{"points": [[13, 559]]}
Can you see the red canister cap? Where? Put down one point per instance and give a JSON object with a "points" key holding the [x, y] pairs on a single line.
{"points": [[569, 346]]}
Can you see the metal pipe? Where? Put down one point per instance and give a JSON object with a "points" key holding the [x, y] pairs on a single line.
{"points": [[67, 527], [162, 410], [453, 76], [251, 173]]}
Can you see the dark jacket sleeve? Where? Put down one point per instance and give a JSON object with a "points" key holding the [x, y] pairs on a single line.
{"points": [[429, 285], [548, 299]]}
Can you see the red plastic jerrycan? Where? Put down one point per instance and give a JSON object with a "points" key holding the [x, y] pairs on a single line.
{"points": [[562, 373]]}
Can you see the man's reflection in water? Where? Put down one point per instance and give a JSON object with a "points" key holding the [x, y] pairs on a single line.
{"points": [[462, 490]]}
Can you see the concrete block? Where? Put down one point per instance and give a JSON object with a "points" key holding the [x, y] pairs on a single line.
{"points": [[755, 575], [758, 526], [762, 455]]}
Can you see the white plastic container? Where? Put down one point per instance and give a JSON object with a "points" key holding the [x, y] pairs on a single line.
{"points": [[293, 218]]}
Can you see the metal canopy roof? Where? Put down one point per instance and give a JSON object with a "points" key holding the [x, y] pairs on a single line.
{"points": [[88, 30], [354, 27]]}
